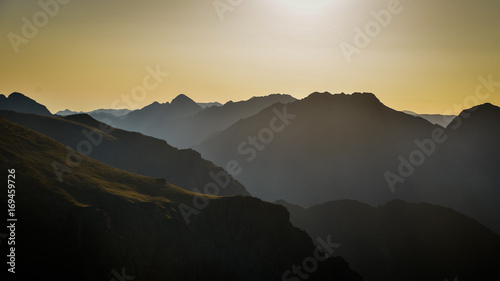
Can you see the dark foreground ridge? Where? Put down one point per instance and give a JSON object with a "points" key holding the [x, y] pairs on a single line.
{"points": [[101, 222]]}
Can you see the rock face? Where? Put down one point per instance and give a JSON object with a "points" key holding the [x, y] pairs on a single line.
{"points": [[132, 152], [404, 241], [101, 223], [21, 103]]}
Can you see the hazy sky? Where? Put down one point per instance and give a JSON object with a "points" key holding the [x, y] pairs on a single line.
{"points": [[87, 54]]}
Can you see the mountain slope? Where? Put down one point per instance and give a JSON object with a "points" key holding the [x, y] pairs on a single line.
{"points": [[324, 147], [21, 103], [101, 222], [129, 151], [403, 241], [332, 147], [464, 168]]}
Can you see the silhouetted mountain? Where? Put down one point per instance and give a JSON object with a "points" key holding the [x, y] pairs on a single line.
{"points": [[145, 119], [403, 241], [132, 152], [324, 147], [463, 171], [331, 147], [191, 129], [102, 223], [437, 119], [21, 103]]}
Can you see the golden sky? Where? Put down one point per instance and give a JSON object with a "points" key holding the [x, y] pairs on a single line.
{"points": [[88, 54]]}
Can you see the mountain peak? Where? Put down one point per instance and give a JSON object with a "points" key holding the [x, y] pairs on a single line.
{"points": [[366, 95], [21, 103], [487, 107], [365, 98], [482, 113], [182, 99]]}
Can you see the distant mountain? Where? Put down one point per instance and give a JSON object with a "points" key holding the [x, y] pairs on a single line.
{"points": [[403, 241], [438, 119], [190, 131], [132, 152], [21, 103], [67, 112], [332, 147], [144, 120], [102, 223], [324, 147], [187, 125], [112, 112], [209, 104]]}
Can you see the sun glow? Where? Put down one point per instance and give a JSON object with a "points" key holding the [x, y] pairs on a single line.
{"points": [[306, 6]]}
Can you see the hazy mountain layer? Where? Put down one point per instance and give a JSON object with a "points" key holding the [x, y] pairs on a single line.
{"points": [[437, 119], [183, 124]]}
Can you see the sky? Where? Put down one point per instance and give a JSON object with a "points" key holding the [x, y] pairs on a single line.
{"points": [[419, 55]]}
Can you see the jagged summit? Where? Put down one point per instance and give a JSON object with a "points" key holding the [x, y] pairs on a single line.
{"points": [[182, 99], [21, 103], [485, 107], [355, 99]]}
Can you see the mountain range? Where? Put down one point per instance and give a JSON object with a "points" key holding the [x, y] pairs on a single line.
{"points": [[362, 150], [102, 223], [113, 112], [183, 123], [129, 151], [402, 197], [354, 140]]}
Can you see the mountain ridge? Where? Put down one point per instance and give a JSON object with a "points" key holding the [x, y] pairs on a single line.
{"points": [[21, 103], [404, 241], [129, 151], [101, 219]]}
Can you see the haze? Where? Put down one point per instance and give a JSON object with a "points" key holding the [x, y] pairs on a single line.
{"points": [[427, 58]]}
